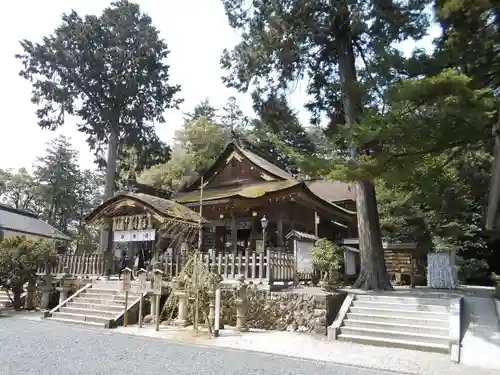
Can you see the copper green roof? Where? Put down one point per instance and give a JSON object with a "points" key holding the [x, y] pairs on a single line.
{"points": [[250, 191]]}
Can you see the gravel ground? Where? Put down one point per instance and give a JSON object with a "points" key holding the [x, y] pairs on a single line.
{"points": [[43, 348]]}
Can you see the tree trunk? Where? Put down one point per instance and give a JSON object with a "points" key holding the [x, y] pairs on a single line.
{"points": [[110, 183], [373, 275], [17, 290]]}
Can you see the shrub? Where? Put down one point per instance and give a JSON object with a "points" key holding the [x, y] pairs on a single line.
{"points": [[327, 258]]}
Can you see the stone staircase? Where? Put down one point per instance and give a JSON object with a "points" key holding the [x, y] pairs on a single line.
{"points": [[398, 321], [100, 305]]}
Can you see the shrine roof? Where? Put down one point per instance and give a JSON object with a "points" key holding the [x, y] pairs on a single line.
{"points": [[258, 190], [255, 190], [164, 207], [252, 155], [26, 223], [331, 190], [301, 236]]}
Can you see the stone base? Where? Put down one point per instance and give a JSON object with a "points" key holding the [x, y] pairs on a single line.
{"points": [[241, 329], [180, 323]]}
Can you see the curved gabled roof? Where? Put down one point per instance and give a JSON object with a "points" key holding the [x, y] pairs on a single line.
{"points": [[255, 159], [161, 206]]}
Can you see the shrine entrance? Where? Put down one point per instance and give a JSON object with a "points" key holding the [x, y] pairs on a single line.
{"points": [[144, 227]]}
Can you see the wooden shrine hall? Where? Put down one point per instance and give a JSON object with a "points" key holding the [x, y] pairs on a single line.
{"points": [[247, 198]]}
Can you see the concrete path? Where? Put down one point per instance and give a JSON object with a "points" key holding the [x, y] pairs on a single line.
{"points": [[481, 339], [317, 348]]}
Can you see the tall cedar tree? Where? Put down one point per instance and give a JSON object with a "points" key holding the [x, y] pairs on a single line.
{"points": [[345, 49], [110, 71]]}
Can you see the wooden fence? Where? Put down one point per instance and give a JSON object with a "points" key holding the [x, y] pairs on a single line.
{"points": [[269, 266], [77, 265], [274, 266]]}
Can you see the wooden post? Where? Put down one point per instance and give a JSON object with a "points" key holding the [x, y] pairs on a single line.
{"points": [[316, 224], [279, 229], [126, 285], [142, 274], [157, 313], [158, 289], [234, 235]]}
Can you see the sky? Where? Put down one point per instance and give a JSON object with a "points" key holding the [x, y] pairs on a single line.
{"points": [[196, 32]]}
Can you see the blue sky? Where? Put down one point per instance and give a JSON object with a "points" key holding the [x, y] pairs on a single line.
{"points": [[195, 30]]}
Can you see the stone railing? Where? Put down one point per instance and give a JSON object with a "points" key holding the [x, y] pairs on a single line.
{"points": [[77, 265], [269, 266]]}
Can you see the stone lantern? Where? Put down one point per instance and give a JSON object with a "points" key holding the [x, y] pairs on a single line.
{"points": [[241, 304], [64, 287]]}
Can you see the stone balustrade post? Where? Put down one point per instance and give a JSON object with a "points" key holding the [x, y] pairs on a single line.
{"points": [[30, 292], [241, 304], [181, 320], [46, 289], [64, 288], [211, 311]]}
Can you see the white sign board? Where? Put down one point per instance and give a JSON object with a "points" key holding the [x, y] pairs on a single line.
{"points": [[441, 270], [303, 252], [134, 235]]}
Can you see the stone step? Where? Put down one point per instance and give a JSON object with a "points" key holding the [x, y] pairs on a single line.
{"points": [[95, 290], [402, 306], [391, 326], [402, 299], [92, 312], [102, 307], [102, 295], [443, 322], [73, 321], [384, 310], [96, 301], [395, 343], [399, 334], [83, 317]]}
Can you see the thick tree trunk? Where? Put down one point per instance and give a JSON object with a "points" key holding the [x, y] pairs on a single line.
{"points": [[17, 290], [373, 275], [110, 183]]}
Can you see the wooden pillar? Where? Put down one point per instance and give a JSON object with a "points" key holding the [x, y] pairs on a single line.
{"points": [[316, 224], [279, 228], [234, 235], [253, 234]]}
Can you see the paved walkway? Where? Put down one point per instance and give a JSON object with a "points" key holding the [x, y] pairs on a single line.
{"points": [[481, 340], [43, 348], [317, 348]]}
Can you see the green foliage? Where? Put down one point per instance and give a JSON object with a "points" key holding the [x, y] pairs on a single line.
{"points": [[110, 71], [327, 258], [495, 278], [57, 175], [277, 120], [19, 189], [20, 258], [472, 271], [197, 145], [58, 191], [197, 280]]}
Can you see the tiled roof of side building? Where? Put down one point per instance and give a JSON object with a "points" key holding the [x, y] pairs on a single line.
{"points": [[24, 222]]}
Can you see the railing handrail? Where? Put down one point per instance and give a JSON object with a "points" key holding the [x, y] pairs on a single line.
{"points": [[142, 294], [70, 298]]}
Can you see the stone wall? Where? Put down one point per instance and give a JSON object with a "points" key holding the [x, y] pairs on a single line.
{"points": [[301, 311]]}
